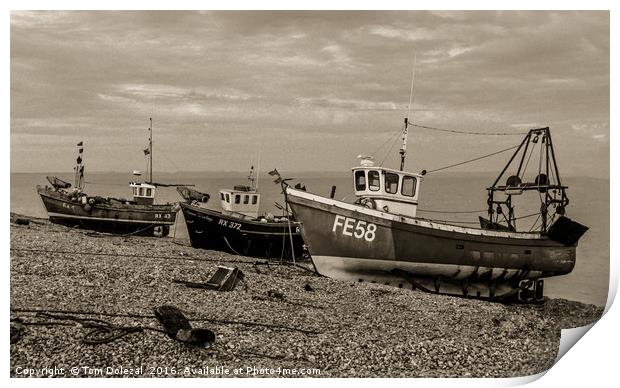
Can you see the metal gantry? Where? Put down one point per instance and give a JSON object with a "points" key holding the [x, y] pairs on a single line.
{"points": [[547, 183]]}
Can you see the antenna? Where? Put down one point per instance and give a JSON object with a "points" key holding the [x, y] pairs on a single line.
{"points": [[403, 148], [258, 167], [260, 149], [150, 149]]}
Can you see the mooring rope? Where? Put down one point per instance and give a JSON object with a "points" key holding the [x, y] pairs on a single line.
{"points": [[101, 332], [223, 260], [196, 318]]}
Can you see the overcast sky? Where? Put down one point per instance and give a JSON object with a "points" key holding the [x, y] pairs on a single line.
{"points": [[312, 90]]}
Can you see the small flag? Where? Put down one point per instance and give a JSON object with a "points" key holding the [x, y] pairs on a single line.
{"points": [[80, 144], [81, 150], [146, 151], [274, 172], [278, 180], [79, 159]]}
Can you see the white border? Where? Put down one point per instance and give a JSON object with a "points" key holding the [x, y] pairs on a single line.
{"points": [[593, 362]]}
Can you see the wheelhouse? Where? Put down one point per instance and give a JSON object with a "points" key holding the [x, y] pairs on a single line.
{"points": [[143, 193], [387, 190], [241, 199]]}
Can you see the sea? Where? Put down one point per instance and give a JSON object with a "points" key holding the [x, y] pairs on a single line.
{"points": [[445, 192]]}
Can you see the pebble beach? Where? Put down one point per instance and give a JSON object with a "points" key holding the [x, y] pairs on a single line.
{"points": [[280, 321]]}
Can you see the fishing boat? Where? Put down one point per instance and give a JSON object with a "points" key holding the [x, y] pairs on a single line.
{"points": [[238, 228], [381, 239], [140, 215]]}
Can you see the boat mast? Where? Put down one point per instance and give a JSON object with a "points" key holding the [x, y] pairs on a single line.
{"points": [[150, 150], [403, 148], [260, 149], [79, 168], [251, 178]]}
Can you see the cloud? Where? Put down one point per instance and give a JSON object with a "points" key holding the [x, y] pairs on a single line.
{"points": [[453, 52], [211, 80], [402, 33]]}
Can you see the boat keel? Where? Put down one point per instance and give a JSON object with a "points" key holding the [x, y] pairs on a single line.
{"points": [[523, 291]]}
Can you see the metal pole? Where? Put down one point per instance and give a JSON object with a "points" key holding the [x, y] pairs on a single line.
{"points": [[527, 137], [555, 163], [403, 149], [523, 159], [151, 150]]}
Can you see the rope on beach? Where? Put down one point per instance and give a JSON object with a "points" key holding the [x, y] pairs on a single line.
{"points": [[290, 302], [197, 318], [80, 253], [101, 332], [136, 256], [84, 230]]}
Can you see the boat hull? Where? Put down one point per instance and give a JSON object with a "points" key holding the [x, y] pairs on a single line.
{"points": [[209, 229], [352, 243], [144, 220]]}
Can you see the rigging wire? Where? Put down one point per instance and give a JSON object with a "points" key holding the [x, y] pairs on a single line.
{"points": [[469, 132], [453, 212], [450, 222], [535, 222], [171, 162], [527, 163], [390, 137], [475, 222], [411, 101], [395, 135], [105, 184], [472, 160], [527, 216], [540, 196], [390, 149]]}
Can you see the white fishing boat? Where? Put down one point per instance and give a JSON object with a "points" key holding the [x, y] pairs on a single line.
{"points": [[380, 237]]}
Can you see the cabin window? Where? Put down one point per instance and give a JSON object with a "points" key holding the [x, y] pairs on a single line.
{"points": [[141, 192], [360, 180], [246, 199], [227, 198], [391, 183], [135, 191], [373, 180], [409, 184], [254, 199], [222, 195], [148, 192], [237, 198]]}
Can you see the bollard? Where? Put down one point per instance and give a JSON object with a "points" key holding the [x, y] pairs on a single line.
{"points": [[333, 194]]}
